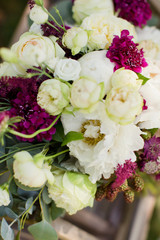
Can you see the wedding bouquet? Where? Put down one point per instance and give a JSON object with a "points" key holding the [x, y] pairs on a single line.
{"points": [[79, 112]]}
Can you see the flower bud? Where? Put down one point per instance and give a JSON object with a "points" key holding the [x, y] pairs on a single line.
{"points": [[129, 196], [123, 104], [31, 171], [8, 55], [53, 96], [68, 69], [72, 191], [138, 183], [111, 193], [75, 39], [101, 193], [38, 15], [85, 93], [4, 195]]}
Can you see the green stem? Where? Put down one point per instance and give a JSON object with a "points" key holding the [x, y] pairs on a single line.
{"points": [[56, 155], [50, 24], [54, 20], [35, 133], [41, 71], [59, 15]]}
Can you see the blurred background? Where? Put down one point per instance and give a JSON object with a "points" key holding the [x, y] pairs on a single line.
{"points": [[13, 22]]}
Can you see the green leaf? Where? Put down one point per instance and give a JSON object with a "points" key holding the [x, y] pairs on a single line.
{"points": [[153, 131], [10, 213], [6, 231], [72, 136], [13, 187], [141, 77], [59, 134], [65, 9], [45, 196], [56, 212], [43, 230], [28, 204], [46, 211], [26, 188]]}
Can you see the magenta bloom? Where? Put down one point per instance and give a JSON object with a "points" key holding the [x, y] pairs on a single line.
{"points": [[145, 107], [137, 12], [124, 53], [152, 148], [124, 172], [34, 117]]}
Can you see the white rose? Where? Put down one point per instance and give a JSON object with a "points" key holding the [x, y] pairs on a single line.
{"points": [[103, 28], [32, 50], [38, 15], [123, 104], [96, 65], [67, 69], [106, 143], [82, 8], [31, 171], [4, 196], [75, 39], [85, 93], [53, 96], [123, 77], [72, 191], [36, 29]]}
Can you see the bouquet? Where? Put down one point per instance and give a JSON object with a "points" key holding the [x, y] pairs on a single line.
{"points": [[79, 112]]}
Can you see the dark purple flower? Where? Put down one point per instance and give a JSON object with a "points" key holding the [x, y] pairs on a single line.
{"points": [[137, 12], [158, 177], [35, 117], [123, 172], [152, 148], [49, 30], [31, 3], [124, 53]]}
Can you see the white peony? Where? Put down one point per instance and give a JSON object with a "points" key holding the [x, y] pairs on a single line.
{"points": [[68, 69], [153, 68], [105, 144], [31, 171], [75, 39], [150, 118], [4, 196], [96, 65], [53, 96], [85, 94], [38, 15], [82, 8], [103, 28], [72, 191]]}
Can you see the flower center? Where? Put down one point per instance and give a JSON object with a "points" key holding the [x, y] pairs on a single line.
{"points": [[91, 132]]}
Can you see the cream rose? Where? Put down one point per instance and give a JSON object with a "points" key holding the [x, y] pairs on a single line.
{"points": [[102, 29], [4, 195], [53, 96], [38, 15], [68, 69], [82, 8]]}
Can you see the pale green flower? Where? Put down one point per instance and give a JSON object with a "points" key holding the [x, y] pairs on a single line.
{"points": [[53, 96], [86, 93], [31, 171], [75, 39], [72, 191]]}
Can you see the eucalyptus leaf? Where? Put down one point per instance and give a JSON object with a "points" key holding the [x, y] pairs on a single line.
{"points": [[72, 136], [43, 230], [45, 196], [13, 187], [28, 204], [6, 231], [46, 211], [10, 213], [56, 212]]}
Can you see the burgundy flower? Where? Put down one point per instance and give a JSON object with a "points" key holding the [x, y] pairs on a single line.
{"points": [[145, 107], [124, 53], [35, 117], [31, 3], [49, 30], [152, 148], [124, 172], [137, 12]]}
